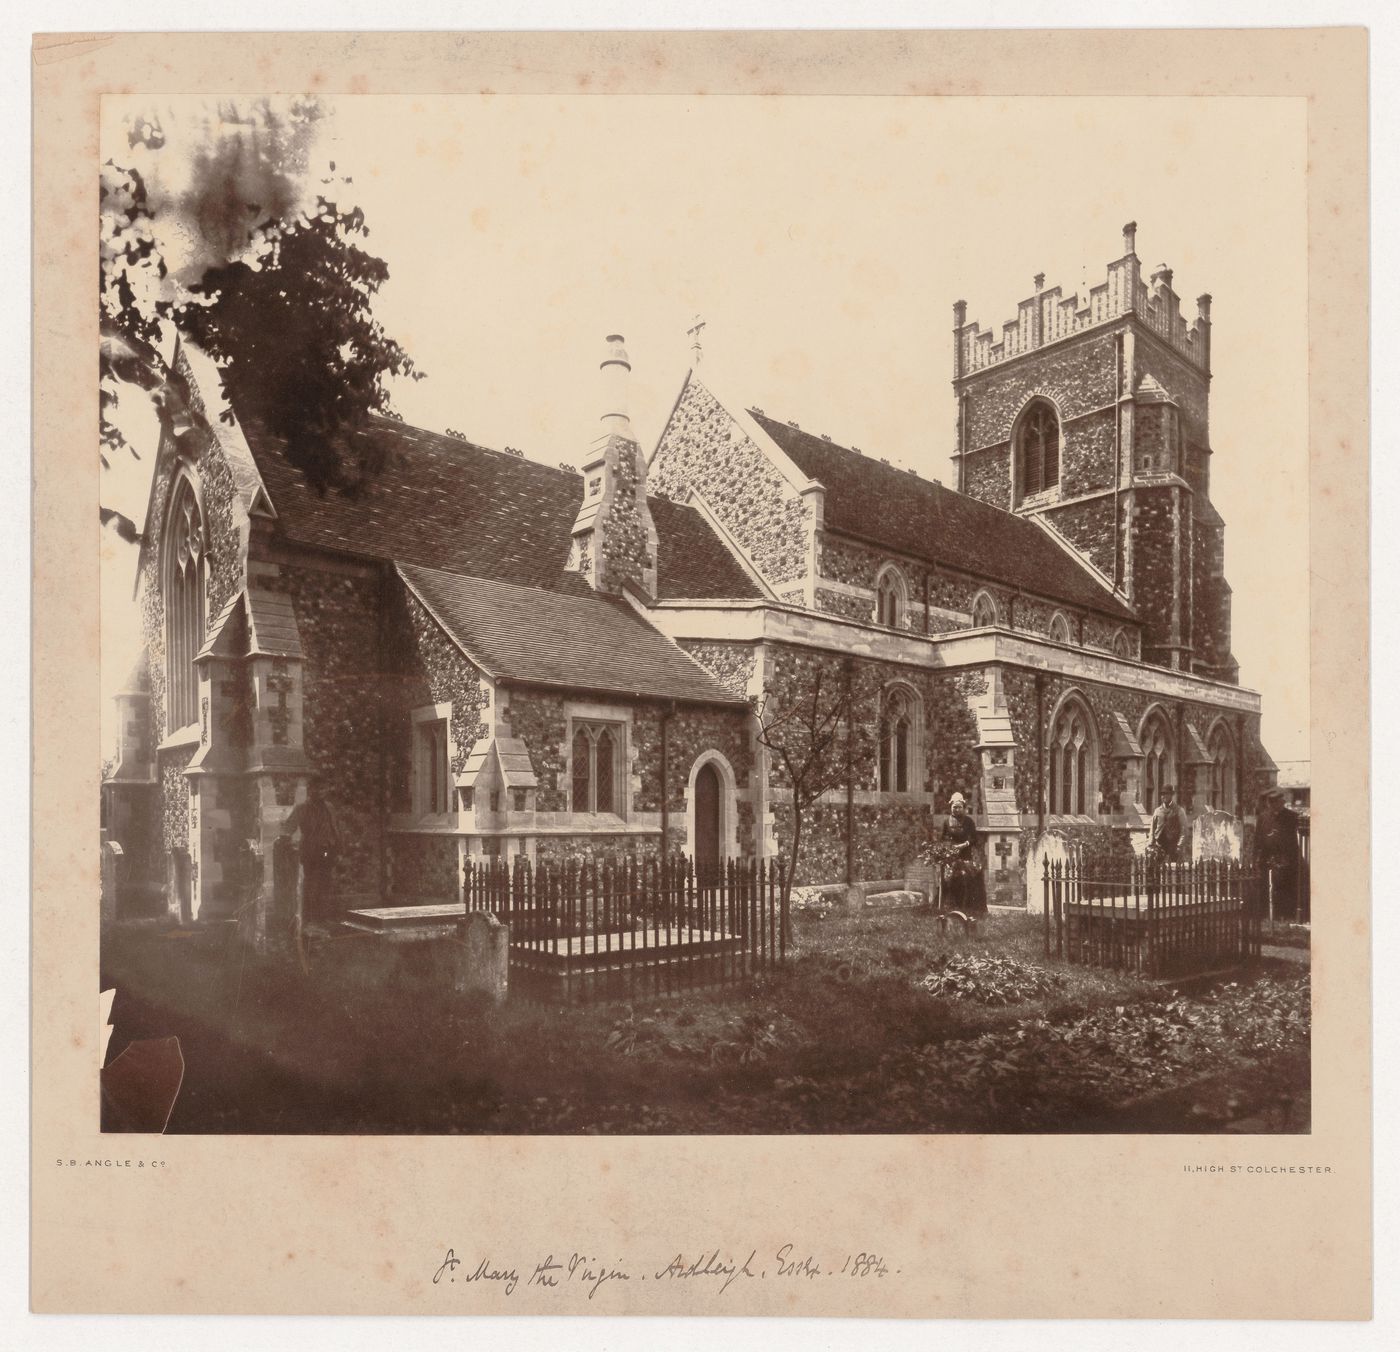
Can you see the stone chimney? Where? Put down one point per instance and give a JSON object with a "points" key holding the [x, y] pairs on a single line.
{"points": [[614, 540]]}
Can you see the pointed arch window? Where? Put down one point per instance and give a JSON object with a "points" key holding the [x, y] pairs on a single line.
{"points": [[900, 715], [1059, 628], [1072, 761], [890, 598], [184, 606], [1038, 449], [1122, 644], [596, 753], [984, 611], [1222, 769], [1158, 762]]}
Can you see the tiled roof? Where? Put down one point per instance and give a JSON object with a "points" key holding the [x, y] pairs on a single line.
{"points": [[274, 624], [442, 502], [911, 515], [583, 641]]}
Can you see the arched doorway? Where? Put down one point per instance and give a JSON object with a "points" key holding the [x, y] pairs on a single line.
{"points": [[707, 820]]}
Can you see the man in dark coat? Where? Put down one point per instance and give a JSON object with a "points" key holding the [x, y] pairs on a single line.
{"points": [[1277, 852], [320, 847], [964, 888], [1170, 826]]}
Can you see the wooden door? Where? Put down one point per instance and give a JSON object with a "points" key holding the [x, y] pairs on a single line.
{"points": [[707, 823]]}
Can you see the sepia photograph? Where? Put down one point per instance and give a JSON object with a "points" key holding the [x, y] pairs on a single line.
{"points": [[704, 615]]}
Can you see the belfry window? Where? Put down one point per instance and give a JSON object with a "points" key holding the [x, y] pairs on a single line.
{"points": [[1038, 449], [184, 607], [597, 761], [1072, 761]]}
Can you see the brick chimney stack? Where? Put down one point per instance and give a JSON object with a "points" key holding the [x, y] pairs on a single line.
{"points": [[614, 540]]}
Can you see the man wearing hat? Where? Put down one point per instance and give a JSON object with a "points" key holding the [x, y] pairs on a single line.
{"points": [[1276, 849], [1170, 825], [320, 847], [964, 888]]}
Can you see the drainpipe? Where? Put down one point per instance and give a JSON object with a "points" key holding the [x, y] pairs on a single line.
{"points": [[846, 665], [1040, 753], [668, 712]]}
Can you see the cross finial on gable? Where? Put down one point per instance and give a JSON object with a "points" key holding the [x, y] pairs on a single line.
{"points": [[694, 332]]}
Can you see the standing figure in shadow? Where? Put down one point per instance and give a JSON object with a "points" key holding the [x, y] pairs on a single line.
{"points": [[964, 887]]}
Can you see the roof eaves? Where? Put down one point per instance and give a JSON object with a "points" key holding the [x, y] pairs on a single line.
{"points": [[721, 699]]}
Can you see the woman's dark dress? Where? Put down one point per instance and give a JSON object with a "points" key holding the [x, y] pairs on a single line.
{"points": [[964, 887]]}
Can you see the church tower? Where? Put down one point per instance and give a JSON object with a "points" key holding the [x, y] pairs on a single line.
{"points": [[1093, 415]]}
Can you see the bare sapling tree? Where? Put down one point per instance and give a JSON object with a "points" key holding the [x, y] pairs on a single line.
{"points": [[814, 737]]}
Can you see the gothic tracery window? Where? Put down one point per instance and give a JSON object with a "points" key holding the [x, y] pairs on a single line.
{"points": [[1071, 761], [890, 598], [984, 611], [1222, 770], [1038, 449], [184, 607], [1158, 763], [596, 752], [1059, 628], [1122, 644], [898, 718]]}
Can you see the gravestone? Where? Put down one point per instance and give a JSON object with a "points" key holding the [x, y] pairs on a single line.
{"points": [[485, 964], [1051, 848], [111, 867], [1217, 835]]}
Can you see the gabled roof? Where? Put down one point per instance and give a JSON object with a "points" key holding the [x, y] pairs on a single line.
{"points": [[445, 503], [910, 515], [577, 641]]}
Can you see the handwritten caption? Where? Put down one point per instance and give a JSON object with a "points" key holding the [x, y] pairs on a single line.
{"points": [[718, 1269]]}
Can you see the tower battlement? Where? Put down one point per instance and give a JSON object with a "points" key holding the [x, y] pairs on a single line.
{"points": [[1049, 316]]}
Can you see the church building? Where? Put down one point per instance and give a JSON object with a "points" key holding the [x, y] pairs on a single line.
{"points": [[481, 656]]}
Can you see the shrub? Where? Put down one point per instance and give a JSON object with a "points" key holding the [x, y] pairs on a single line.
{"points": [[989, 981]]}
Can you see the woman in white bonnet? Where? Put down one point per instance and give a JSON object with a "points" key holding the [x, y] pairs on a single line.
{"points": [[964, 888]]}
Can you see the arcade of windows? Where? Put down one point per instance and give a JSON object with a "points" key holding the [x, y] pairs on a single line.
{"points": [[597, 767]]}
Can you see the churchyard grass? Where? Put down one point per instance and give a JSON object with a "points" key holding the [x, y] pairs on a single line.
{"points": [[844, 1038]]}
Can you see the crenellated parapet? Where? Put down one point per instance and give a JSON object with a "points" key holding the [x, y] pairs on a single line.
{"points": [[1049, 316]]}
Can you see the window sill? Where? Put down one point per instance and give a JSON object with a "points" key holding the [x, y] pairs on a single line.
{"points": [[181, 737]]}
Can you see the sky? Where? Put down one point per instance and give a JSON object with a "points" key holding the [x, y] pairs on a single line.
{"points": [[824, 242]]}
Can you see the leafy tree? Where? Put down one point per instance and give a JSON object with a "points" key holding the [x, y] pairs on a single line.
{"points": [[216, 229]]}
